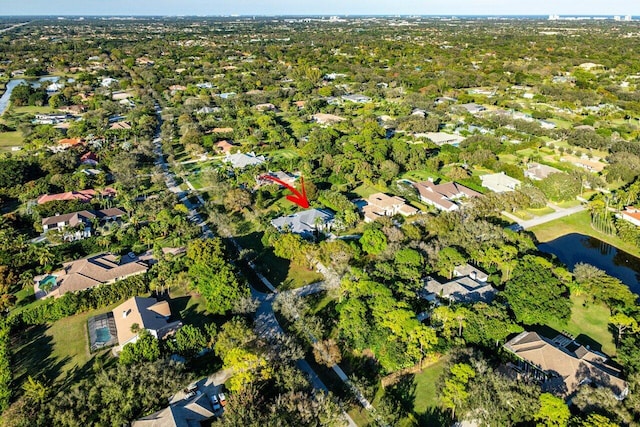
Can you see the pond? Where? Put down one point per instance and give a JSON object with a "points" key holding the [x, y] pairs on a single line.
{"points": [[4, 100], [574, 248]]}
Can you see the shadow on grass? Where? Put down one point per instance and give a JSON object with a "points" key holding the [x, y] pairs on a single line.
{"points": [[32, 356], [433, 417]]}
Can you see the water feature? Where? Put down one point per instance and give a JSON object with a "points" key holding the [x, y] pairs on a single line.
{"points": [[574, 248], [4, 99], [48, 283]]}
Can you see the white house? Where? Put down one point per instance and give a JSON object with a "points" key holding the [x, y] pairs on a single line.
{"points": [[499, 182]]}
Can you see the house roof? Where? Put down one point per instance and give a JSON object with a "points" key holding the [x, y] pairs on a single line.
{"points": [[241, 160], [110, 212], [303, 222], [499, 182], [444, 195], [325, 118], [463, 289], [224, 146], [471, 271], [95, 270], [73, 218], [185, 413], [70, 142], [147, 313], [441, 138], [631, 213], [572, 363], [82, 195], [540, 171]]}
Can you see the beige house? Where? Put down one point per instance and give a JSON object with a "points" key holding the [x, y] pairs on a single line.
{"points": [[146, 313], [380, 204], [444, 196], [562, 365], [327, 119], [92, 271], [192, 412]]}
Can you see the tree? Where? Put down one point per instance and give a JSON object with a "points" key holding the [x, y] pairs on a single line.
{"points": [[373, 241], [327, 352], [145, 349], [553, 411], [561, 186], [597, 420], [213, 276], [623, 323], [535, 295], [237, 199], [448, 259], [188, 341], [454, 393]]}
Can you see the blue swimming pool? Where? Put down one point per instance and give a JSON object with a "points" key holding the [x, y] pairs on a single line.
{"points": [[48, 283], [103, 335]]}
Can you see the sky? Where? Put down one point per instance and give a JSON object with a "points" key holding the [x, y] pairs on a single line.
{"points": [[319, 7]]}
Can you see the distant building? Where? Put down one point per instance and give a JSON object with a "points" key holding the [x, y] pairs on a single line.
{"points": [[473, 108], [562, 365], [81, 195], [499, 182], [538, 171], [445, 196], [358, 99], [327, 119], [147, 313], [241, 160], [306, 223], [441, 138], [380, 205]]}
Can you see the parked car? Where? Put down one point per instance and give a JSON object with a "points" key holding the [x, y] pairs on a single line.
{"points": [[215, 402]]}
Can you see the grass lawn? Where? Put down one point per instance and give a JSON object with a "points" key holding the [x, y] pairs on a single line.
{"points": [[579, 223], [542, 211], [523, 215], [32, 109], [568, 204], [10, 139], [54, 351], [366, 190], [589, 324], [426, 382], [420, 175], [283, 154], [190, 307]]}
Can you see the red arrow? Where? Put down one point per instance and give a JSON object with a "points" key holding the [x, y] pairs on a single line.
{"points": [[297, 197]]}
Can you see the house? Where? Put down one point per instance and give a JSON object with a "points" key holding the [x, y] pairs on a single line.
{"points": [[380, 204], [441, 138], [470, 271], [305, 223], [89, 158], [327, 119], [82, 195], [499, 182], [445, 196], [221, 130], [265, 107], [285, 177], [65, 143], [631, 214], [108, 81], [538, 172], [241, 160], [85, 273], [472, 108], [224, 146], [562, 365], [358, 99], [147, 313], [120, 126], [469, 286], [191, 412], [300, 104], [72, 220]]}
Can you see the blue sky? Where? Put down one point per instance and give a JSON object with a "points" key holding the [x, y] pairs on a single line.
{"points": [[325, 7]]}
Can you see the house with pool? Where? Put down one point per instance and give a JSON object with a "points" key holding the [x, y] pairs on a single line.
{"points": [[85, 273]]}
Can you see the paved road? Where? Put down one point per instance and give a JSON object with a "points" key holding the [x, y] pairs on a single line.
{"points": [[13, 27], [559, 213]]}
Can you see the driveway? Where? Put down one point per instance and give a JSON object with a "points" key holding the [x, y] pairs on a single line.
{"points": [[559, 213]]}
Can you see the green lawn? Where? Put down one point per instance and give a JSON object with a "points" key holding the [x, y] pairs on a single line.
{"points": [[54, 351], [579, 223], [589, 324], [366, 190], [32, 109], [420, 175], [542, 211], [283, 154], [426, 382], [10, 139]]}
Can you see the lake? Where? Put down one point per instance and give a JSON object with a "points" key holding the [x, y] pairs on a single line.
{"points": [[574, 248]]}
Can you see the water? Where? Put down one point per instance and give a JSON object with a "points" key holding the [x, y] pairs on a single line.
{"points": [[574, 248], [4, 100], [48, 283], [102, 335]]}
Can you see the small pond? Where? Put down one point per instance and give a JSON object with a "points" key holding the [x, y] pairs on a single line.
{"points": [[574, 248]]}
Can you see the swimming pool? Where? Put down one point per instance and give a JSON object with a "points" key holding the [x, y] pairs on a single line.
{"points": [[48, 283], [103, 335]]}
